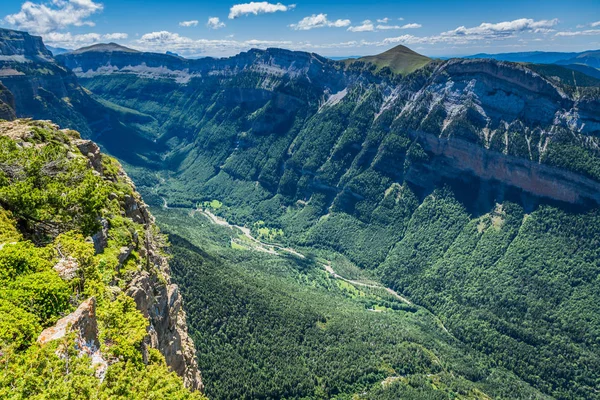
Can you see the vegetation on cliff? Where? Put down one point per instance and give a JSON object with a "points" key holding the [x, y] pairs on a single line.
{"points": [[56, 191]]}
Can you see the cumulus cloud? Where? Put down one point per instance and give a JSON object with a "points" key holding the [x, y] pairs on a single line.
{"points": [[485, 31], [406, 26], [159, 41], [56, 15], [501, 29], [68, 40], [319, 21], [383, 20], [595, 24], [215, 23], [256, 8], [367, 26], [115, 36], [187, 24]]}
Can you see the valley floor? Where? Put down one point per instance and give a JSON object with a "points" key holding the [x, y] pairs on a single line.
{"points": [[275, 322]]}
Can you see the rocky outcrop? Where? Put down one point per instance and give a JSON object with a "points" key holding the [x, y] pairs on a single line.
{"points": [[158, 298], [83, 322], [148, 282], [18, 46]]}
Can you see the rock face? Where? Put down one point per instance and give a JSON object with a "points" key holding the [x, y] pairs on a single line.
{"points": [[158, 299], [16, 45], [7, 104], [82, 321]]}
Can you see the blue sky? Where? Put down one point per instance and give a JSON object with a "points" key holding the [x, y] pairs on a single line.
{"points": [[335, 28]]}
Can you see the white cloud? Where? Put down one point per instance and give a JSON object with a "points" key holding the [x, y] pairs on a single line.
{"points": [[58, 14], [256, 8], [215, 23], [390, 27], [411, 26], [159, 41], [595, 24], [485, 31], [367, 26], [115, 36], [500, 30], [68, 40], [319, 21], [589, 32], [383, 20], [187, 24]]}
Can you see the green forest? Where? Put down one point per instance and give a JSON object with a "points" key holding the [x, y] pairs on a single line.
{"points": [[279, 326]]}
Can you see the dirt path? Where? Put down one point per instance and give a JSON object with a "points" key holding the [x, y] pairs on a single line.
{"points": [[272, 249], [329, 269]]}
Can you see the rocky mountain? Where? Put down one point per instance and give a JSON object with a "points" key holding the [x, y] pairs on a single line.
{"points": [[586, 62], [534, 57], [43, 89], [91, 270], [511, 111]]}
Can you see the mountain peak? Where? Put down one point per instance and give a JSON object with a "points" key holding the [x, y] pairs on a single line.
{"points": [[104, 48], [400, 59]]}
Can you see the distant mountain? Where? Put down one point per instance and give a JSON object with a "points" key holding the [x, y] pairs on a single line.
{"points": [[536, 57], [400, 60], [18, 46], [58, 50], [338, 58], [104, 48], [587, 62], [589, 58]]}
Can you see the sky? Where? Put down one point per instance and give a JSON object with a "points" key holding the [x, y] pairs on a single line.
{"points": [[198, 28]]}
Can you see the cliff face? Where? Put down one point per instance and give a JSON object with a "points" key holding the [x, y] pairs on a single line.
{"points": [[156, 297], [7, 104], [506, 111], [20, 46], [122, 261], [159, 301]]}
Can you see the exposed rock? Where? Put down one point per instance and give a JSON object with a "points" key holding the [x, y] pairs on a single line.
{"points": [[136, 210], [100, 238], [124, 254], [83, 322], [92, 152], [161, 304], [67, 268]]}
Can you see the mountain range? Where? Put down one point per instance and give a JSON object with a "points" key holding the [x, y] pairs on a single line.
{"points": [[469, 187]]}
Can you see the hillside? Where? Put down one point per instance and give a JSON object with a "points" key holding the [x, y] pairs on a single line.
{"points": [[87, 304], [400, 60]]}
